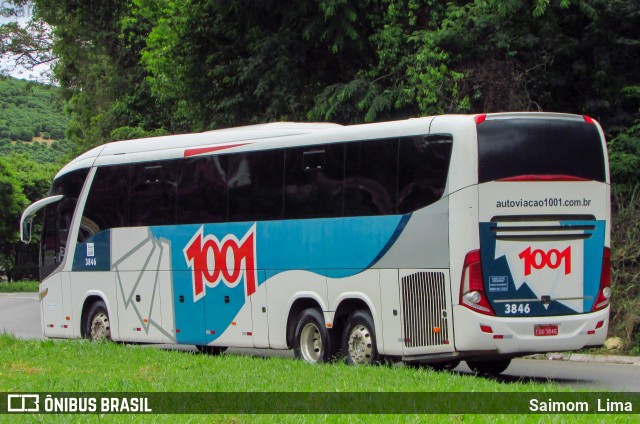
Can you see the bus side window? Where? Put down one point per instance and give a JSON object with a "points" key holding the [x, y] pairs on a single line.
{"points": [[314, 178], [153, 193], [202, 190], [423, 170], [107, 205], [371, 177], [255, 185]]}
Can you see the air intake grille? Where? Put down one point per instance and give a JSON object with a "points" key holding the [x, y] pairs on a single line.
{"points": [[424, 309]]}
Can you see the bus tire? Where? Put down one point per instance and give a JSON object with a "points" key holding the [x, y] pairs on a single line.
{"points": [[97, 324], [312, 341], [211, 350], [492, 367], [359, 340]]}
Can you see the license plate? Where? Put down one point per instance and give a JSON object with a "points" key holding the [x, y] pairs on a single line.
{"points": [[545, 330]]}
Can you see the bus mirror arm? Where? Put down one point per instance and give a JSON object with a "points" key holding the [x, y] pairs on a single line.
{"points": [[26, 219]]}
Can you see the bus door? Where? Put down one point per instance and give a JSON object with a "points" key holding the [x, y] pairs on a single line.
{"points": [[143, 285]]}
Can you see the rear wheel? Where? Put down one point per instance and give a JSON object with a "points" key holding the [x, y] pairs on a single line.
{"points": [[491, 367], [97, 326], [359, 339], [211, 350], [312, 340]]}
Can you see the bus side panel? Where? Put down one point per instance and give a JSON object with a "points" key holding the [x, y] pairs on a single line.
{"points": [[259, 314], [390, 312], [53, 317], [422, 295], [463, 238], [421, 240]]}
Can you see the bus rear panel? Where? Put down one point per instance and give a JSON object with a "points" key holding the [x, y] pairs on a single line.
{"points": [[540, 278]]}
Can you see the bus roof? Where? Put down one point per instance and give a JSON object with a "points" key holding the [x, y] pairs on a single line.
{"points": [[270, 135]]}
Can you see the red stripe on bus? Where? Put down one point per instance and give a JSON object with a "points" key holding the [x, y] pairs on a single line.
{"points": [[203, 150], [543, 178]]}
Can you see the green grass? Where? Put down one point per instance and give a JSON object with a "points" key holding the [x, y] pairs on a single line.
{"points": [[81, 366], [19, 287]]}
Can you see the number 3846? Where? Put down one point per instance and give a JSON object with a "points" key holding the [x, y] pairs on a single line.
{"points": [[517, 308]]}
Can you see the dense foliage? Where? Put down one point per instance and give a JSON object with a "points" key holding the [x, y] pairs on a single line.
{"points": [[22, 181], [191, 65], [132, 68]]}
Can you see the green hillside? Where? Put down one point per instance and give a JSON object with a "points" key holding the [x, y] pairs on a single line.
{"points": [[32, 121], [30, 109]]}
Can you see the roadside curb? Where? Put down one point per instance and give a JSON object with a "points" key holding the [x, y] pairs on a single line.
{"points": [[581, 357]]}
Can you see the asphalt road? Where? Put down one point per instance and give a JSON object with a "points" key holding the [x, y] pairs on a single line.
{"points": [[20, 315]]}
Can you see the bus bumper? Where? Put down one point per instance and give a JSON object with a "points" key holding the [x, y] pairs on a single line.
{"points": [[474, 331]]}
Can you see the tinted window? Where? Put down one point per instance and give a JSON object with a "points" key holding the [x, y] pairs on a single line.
{"points": [[255, 185], [108, 201], [57, 220], [423, 168], [371, 178], [314, 181], [153, 193], [514, 147], [202, 190]]}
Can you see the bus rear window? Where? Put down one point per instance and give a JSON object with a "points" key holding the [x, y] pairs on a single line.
{"points": [[515, 147]]}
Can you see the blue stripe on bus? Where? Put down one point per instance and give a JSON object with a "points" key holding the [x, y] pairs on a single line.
{"points": [[336, 248]]}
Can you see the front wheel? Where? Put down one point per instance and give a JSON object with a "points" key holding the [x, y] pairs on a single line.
{"points": [[359, 339], [97, 325], [491, 367], [313, 342]]}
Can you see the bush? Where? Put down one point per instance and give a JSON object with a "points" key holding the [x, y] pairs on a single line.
{"points": [[624, 160], [625, 270]]}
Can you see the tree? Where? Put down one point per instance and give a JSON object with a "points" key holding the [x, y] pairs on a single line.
{"points": [[27, 47], [13, 200]]}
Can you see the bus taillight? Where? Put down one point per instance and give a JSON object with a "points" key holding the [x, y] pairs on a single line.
{"points": [[472, 285], [604, 292]]}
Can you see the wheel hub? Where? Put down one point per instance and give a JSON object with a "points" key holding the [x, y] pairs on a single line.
{"points": [[311, 343], [100, 329], [360, 345]]}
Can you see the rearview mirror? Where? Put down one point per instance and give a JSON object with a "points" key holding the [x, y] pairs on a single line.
{"points": [[27, 216], [25, 230]]}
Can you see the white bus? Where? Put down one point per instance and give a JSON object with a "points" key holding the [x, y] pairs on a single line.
{"points": [[428, 241]]}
